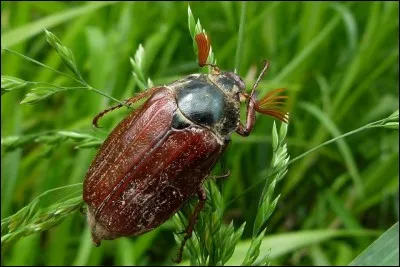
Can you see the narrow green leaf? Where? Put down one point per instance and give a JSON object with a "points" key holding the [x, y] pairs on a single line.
{"points": [[254, 249], [89, 144], [139, 57], [191, 22], [44, 212], [138, 65], [85, 248], [38, 94], [350, 23], [13, 142], [392, 125], [275, 137], [239, 48], [319, 256], [382, 252], [64, 52], [9, 84], [342, 144], [22, 215], [283, 132], [394, 115], [20, 34], [281, 244], [339, 208], [230, 247], [50, 138], [309, 49], [75, 135]]}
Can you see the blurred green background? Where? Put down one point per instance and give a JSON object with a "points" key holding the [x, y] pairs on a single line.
{"points": [[338, 61]]}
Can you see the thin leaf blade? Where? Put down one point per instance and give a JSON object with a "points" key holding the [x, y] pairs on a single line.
{"points": [[383, 252]]}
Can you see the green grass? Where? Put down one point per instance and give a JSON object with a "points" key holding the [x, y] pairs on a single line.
{"points": [[338, 61]]}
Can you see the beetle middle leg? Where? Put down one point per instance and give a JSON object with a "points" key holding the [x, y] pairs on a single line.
{"points": [[192, 221], [225, 171]]}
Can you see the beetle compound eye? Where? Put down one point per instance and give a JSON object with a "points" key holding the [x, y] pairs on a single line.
{"points": [[204, 48]]}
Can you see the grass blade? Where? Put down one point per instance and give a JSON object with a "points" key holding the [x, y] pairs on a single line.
{"points": [[383, 252], [278, 245], [25, 32], [343, 147]]}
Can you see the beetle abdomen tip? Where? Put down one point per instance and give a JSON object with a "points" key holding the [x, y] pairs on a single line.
{"points": [[98, 232]]}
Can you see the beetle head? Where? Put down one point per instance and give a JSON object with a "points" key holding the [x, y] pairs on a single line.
{"points": [[230, 82]]}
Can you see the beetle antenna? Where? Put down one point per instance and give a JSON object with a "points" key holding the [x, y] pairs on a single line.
{"points": [[204, 48], [266, 65], [272, 104]]}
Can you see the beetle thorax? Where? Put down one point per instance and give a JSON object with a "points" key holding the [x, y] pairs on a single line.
{"points": [[203, 100]]}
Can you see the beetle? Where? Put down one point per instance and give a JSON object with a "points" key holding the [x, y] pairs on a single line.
{"points": [[158, 157]]}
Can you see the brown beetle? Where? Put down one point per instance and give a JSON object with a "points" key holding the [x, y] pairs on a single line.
{"points": [[158, 157]]}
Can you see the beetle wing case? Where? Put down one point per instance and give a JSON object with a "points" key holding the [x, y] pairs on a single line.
{"points": [[146, 170]]}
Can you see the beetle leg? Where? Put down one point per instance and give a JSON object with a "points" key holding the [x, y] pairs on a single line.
{"points": [[101, 114], [251, 117], [268, 105], [251, 112], [128, 102], [225, 175], [225, 172], [192, 221]]}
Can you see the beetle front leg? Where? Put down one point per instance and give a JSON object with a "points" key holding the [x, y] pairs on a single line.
{"points": [[250, 118], [251, 111], [192, 221], [101, 114], [128, 102]]}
